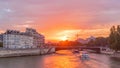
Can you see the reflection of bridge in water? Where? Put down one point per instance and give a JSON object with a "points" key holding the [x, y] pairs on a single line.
{"points": [[96, 49]]}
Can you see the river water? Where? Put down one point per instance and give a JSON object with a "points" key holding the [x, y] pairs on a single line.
{"points": [[62, 59]]}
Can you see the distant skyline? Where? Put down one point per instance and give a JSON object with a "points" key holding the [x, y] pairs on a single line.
{"points": [[60, 19]]}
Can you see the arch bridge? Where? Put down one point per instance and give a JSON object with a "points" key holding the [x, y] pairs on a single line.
{"points": [[96, 49]]}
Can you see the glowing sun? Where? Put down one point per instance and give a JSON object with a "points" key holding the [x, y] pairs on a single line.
{"points": [[63, 38]]}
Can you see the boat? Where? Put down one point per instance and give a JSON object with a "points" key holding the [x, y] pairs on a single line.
{"points": [[76, 51], [84, 56]]}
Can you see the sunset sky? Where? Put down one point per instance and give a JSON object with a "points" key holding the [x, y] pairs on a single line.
{"points": [[61, 19]]}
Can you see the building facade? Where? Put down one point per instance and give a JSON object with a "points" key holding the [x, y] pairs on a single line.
{"points": [[39, 39], [1, 37], [13, 39]]}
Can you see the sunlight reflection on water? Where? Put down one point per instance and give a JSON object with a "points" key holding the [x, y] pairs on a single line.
{"points": [[62, 59]]}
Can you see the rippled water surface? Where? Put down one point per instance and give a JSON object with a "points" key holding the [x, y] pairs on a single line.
{"points": [[62, 59]]}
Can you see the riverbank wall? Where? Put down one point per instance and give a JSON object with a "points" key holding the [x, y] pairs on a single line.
{"points": [[107, 52], [25, 52]]}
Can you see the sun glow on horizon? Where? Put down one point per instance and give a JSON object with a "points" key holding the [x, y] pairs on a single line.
{"points": [[83, 33], [63, 38]]}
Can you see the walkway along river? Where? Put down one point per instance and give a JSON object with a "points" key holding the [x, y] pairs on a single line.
{"points": [[62, 59], [25, 52]]}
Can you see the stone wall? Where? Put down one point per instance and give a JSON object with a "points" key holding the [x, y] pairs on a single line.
{"points": [[25, 52]]}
